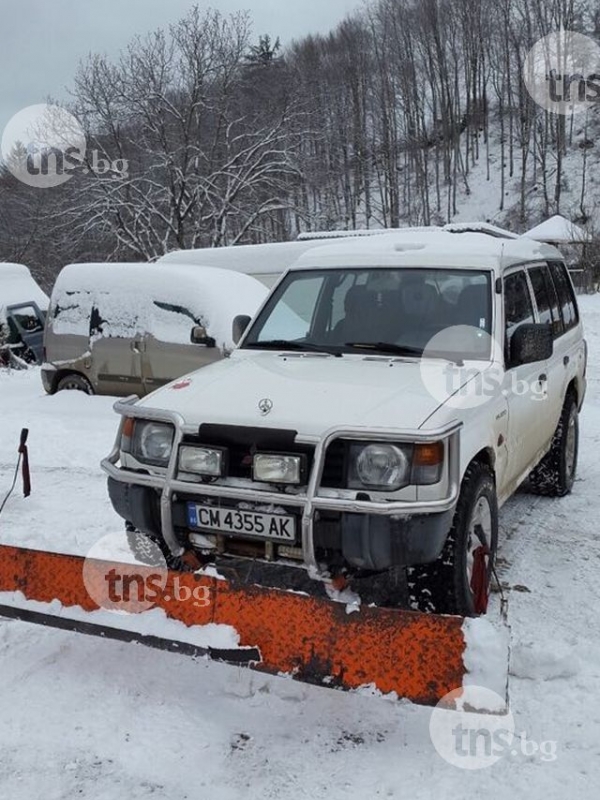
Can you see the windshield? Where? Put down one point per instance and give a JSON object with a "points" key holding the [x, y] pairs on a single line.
{"points": [[378, 311]]}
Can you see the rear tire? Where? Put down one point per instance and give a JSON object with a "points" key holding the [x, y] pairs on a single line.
{"points": [[74, 382], [554, 476], [458, 581]]}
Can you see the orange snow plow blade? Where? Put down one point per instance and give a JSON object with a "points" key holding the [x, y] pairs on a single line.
{"points": [[417, 656]]}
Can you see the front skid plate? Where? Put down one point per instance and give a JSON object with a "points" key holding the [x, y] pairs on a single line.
{"points": [[417, 656]]}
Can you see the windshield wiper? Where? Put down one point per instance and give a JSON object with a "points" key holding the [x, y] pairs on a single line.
{"points": [[388, 348], [284, 344]]}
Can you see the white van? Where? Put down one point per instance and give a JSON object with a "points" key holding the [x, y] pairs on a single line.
{"points": [[265, 262], [125, 329]]}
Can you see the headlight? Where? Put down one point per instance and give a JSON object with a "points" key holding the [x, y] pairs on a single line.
{"points": [[379, 466], [208, 462], [153, 442], [275, 468], [390, 467]]}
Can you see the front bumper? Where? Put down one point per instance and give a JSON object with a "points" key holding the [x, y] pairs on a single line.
{"points": [[375, 532], [48, 373]]}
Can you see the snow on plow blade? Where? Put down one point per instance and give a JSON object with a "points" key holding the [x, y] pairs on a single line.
{"points": [[417, 656]]}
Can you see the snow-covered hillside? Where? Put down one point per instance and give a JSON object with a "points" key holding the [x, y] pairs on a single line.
{"points": [[90, 718]]}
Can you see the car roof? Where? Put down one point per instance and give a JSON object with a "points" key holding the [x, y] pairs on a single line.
{"points": [[17, 286], [251, 259], [99, 275], [429, 248]]}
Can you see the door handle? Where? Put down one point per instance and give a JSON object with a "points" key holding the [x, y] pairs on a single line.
{"points": [[566, 360], [543, 378]]}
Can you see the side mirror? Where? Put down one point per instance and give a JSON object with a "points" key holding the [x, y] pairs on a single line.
{"points": [[531, 343], [240, 325], [201, 337]]}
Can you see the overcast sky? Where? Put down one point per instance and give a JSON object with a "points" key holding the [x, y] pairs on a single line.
{"points": [[42, 41]]}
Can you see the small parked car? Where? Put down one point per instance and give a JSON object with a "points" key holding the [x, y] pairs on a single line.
{"points": [[122, 329], [391, 394], [23, 307]]}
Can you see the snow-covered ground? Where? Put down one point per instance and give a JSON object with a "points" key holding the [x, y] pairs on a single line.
{"points": [[90, 718]]}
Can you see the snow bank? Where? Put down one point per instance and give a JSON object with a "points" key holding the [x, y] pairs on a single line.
{"points": [[486, 660]]}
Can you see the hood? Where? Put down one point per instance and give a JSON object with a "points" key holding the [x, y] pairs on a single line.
{"points": [[308, 393]]}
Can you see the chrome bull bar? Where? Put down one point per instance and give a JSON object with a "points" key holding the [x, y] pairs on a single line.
{"points": [[309, 501]]}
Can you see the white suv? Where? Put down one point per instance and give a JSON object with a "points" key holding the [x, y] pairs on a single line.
{"points": [[389, 396]]}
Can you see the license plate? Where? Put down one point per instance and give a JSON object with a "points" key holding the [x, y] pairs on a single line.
{"points": [[242, 523]]}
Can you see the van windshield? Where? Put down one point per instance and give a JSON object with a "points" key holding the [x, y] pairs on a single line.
{"points": [[378, 311]]}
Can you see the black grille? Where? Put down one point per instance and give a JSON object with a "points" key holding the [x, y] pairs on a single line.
{"points": [[334, 471], [242, 443]]}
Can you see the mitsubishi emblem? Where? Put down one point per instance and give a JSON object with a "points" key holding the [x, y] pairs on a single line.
{"points": [[265, 406]]}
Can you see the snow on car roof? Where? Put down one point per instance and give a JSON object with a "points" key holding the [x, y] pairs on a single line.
{"points": [[125, 290], [18, 286], [452, 227], [428, 248], [251, 259]]}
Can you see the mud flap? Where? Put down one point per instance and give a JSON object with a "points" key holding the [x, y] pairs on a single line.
{"points": [[417, 656]]}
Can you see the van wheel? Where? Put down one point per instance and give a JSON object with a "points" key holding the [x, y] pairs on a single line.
{"points": [[458, 582], [554, 476], [76, 383]]}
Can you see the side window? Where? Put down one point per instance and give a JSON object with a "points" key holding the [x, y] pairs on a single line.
{"points": [[27, 319], [518, 308], [566, 295], [546, 299]]}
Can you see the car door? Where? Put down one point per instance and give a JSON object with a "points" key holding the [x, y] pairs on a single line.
{"points": [[524, 387], [116, 347], [569, 347], [26, 326], [549, 313], [168, 349]]}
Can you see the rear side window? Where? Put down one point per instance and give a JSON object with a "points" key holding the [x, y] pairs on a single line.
{"points": [[518, 308], [546, 299], [566, 295]]}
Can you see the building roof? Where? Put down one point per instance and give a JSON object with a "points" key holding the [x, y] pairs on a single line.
{"points": [[558, 230]]}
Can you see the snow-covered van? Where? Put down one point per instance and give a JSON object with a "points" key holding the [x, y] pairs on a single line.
{"points": [[23, 307], [265, 262], [391, 394], [124, 329]]}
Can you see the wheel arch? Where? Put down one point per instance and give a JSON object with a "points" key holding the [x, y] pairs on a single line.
{"points": [[485, 456], [66, 373], [574, 390]]}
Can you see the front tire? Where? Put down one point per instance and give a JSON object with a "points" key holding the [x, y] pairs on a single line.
{"points": [[554, 476], [458, 582], [74, 382], [144, 548]]}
